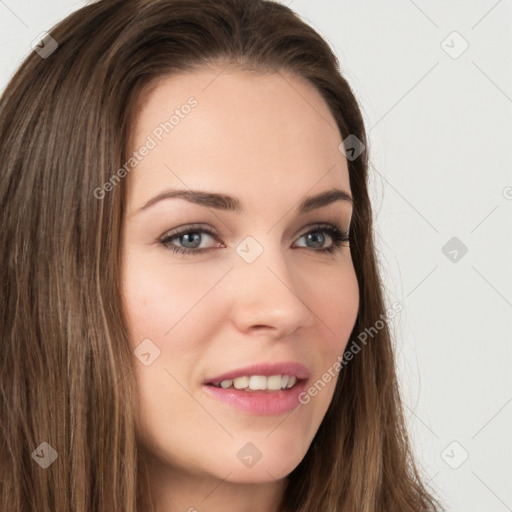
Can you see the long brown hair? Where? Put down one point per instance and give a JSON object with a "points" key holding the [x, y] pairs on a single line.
{"points": [[66, 369]]}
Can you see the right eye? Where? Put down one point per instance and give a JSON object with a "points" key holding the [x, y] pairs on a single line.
{"points": [[189, 239]]}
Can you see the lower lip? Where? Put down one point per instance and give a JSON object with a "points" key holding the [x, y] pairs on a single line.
{"points": [[267, 403]]}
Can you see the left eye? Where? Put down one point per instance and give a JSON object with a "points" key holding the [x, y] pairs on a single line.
{"points": [[190, 239]]}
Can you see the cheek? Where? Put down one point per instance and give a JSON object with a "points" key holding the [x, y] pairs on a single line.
{"points": [[337, 308], [159, 296], [335, 302]]}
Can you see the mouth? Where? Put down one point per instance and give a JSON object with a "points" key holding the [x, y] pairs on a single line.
{"points": [[261, 376], [261, 389]]}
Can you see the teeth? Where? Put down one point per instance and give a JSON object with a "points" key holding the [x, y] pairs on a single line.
{"points": [[241, 382], [257, 382], [291, 382], [273, 382], [260, 383]]}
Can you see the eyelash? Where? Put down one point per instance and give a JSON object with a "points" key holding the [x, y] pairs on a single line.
{"points": [[339, 237]]}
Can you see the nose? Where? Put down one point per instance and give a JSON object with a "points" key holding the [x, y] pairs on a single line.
{"points": [[270, 296]]}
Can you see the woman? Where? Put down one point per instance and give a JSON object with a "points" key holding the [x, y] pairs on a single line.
{"points": [[188, 272]]}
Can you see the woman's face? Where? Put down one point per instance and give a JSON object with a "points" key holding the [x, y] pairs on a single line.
{"points": [[254, 288]]}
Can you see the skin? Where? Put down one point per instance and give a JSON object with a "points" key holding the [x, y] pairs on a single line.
{"points": [[269, 140]]}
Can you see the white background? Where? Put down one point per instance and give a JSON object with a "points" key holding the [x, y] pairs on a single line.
{"points": [[440, 131]]}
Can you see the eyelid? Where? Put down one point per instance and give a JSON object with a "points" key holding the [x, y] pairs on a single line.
{"points": [[188, 227], [210, 230]]}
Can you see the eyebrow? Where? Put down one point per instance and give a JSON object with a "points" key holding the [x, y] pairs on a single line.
{"points": [[229, 203]]}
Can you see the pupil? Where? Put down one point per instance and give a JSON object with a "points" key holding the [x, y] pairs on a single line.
{"points": [[191, 236], [319, 238]]}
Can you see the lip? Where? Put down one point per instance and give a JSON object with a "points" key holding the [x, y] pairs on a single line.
{"points": [[261, 402], [265, 369]]}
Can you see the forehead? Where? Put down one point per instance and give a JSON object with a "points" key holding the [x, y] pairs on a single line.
{"points": [[241, 131]]}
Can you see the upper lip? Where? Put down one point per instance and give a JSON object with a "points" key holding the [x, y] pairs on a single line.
{"points": [[285, 368]]}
